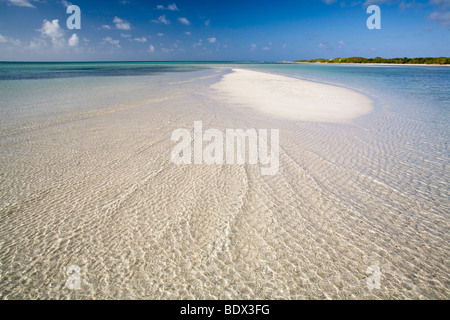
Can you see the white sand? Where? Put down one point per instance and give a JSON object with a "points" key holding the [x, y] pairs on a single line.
{"points": [[291, 98]]}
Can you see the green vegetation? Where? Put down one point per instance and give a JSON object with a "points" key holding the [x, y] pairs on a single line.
{"points": [[440, 60]]}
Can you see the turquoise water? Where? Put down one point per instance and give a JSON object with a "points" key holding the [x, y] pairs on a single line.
{"points": [[36, 95], [35, 92], [375, 190], [409, 128], [39, 94], [412, 102], [40, 71], [425, 84], [415, 99]]}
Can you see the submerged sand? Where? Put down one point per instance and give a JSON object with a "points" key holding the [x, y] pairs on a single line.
{"points": [[101, 193]]}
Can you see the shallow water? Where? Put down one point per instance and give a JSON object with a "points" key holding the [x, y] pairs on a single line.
{"points": [[86, 180]]}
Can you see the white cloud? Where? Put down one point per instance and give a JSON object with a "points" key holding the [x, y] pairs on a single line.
{"points": [[407, 4], [442, 17], [125, 35], [162, 19], [111, 41], [21, 3], [252, 47], [444, 4], [143, 39], [268, 47], [106, 27], [184, 21], [188, 33], [166, 50], [380, 2], [5, 39], [329, 1], [159, 34], [151, 48], [121, 24], [322, 46], [207, 23], [441, 13], [73, 40], [345, 4], [211, 40], [53, 31], [66, 3], [198, 44], [171, 7], [37, 43]]}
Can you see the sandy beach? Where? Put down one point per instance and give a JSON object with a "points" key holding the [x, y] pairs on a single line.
{"points": [[99, 191], [292, 99]]}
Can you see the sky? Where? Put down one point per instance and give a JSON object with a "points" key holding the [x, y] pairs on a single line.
{"points": [[216, 30]]}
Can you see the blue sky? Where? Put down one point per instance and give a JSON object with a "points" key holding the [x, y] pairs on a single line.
{"points": [[244, 30]]}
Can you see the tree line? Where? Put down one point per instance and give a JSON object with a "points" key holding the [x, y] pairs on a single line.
{"points": [[405, 60]]}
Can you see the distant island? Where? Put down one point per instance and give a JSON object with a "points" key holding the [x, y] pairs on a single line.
{"points": [[440, 60]]}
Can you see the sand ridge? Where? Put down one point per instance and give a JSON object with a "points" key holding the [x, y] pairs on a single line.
{"points": [[292, 99]]}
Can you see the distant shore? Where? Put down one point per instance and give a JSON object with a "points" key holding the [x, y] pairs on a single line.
{"points": [[427, 61], [378, 64]]}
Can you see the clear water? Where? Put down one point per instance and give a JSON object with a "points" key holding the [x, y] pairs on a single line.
{"points": [[411, 115], [40, 94], [36, 95], [375, 188], [412, 111]]}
